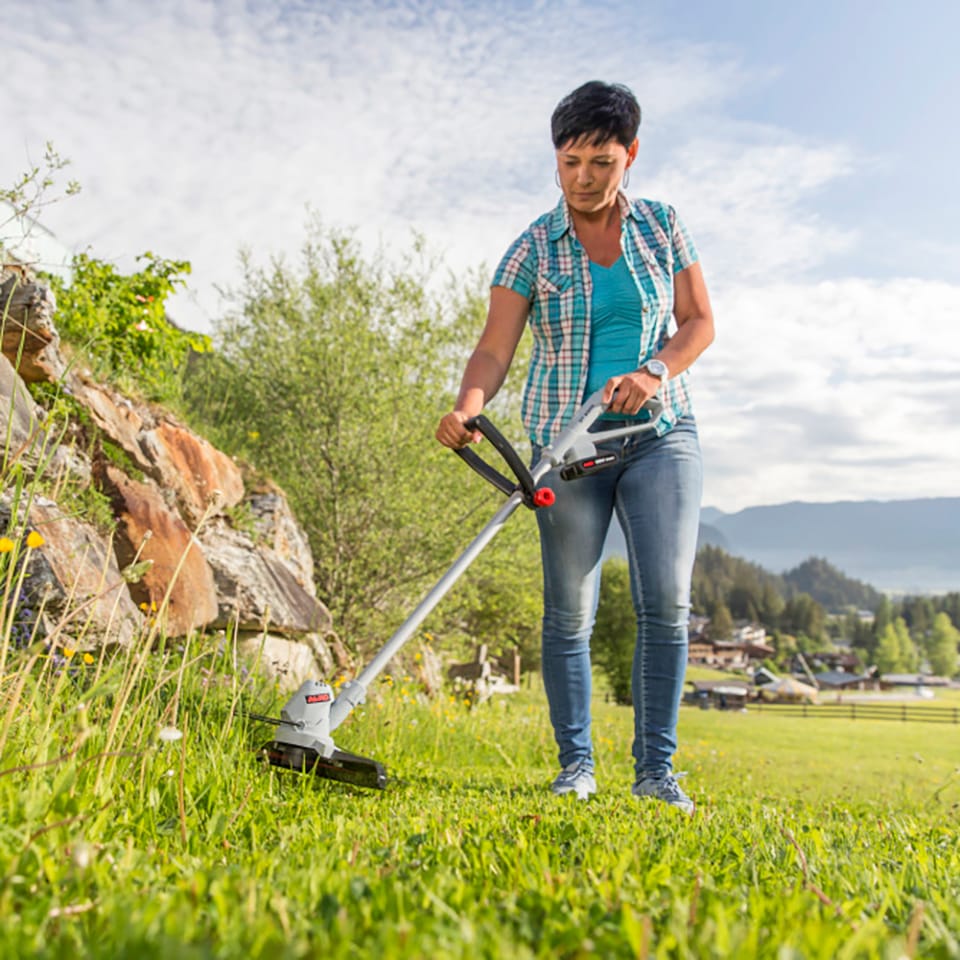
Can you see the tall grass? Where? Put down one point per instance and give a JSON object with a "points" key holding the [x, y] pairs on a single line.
{"points": [[170, 837]]}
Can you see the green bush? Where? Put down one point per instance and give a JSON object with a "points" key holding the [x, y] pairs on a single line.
{"points": [[119, 324]]}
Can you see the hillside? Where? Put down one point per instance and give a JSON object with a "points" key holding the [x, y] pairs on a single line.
{"points": [[901, 546]]}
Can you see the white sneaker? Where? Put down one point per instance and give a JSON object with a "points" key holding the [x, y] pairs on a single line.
{"points": [[665, 788], [576, 777]]}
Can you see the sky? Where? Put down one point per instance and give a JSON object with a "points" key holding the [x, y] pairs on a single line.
{"points": [[810, 149]]}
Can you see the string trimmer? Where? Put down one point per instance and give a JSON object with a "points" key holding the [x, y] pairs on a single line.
{"points": [[304, 738]]}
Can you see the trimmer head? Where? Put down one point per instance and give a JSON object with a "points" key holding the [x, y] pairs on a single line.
{"points": [[340, 765], [303, 741]]}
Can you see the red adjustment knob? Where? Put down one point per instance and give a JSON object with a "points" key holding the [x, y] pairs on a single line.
{"points": [[544, 497]]}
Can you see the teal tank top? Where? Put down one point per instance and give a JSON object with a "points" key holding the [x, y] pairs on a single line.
{"points": [[616, 325]]}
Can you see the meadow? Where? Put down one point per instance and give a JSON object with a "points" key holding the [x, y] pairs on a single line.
{"points": [[137, 819]]}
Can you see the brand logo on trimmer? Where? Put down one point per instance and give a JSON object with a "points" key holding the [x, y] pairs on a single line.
{"points": [[318, 697]]}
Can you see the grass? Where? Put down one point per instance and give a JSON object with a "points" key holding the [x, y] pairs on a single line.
{"points": [[813, 838]]}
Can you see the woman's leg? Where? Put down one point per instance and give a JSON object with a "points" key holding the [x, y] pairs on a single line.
{"points": [[658, 504], [572, 534]]}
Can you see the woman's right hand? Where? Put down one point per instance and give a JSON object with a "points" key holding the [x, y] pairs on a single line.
{"points": [[451, 432]]}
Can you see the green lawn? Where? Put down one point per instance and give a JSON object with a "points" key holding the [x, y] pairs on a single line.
{"points": [[813, 838]]}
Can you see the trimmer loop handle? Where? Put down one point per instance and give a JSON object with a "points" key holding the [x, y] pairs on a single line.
{"points": [[524, 483]]}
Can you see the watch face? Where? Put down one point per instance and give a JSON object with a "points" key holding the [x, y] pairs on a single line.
{"points": [[657, 367]]}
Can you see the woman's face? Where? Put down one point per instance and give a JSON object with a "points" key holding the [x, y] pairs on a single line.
{"points": [[590, 175]]}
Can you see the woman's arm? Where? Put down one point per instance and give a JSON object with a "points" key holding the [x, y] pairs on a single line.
{"points": [[488, 364], [691, 309]]}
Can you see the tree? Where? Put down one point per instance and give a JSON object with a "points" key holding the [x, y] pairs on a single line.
{"points": [[905, 645], [860, 635], [888, 650], [943, 647], [721, 623], [615, 631], [803, 615], [883, 615], [918, 612], [331, 378]]}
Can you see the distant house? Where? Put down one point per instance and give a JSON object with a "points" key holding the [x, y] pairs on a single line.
{"points": [[746, 646], [719, 694], [788, 690], [762, 676], [842, 660], [839, 680], [750, 633], [891, 680]]}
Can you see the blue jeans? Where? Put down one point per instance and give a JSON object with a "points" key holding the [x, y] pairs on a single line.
{"points": [[655, 490]]}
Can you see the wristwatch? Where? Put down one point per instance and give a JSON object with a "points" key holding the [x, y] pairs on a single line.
{"points": [[658, 369]]}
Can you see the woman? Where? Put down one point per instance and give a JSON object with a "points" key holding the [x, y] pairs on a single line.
{"points": [[598, 279]]}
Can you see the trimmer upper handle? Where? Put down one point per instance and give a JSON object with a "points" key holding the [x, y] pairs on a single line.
{"points": [[524, 482]]}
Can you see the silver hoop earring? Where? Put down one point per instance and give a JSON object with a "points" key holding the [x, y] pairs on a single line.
{"points": [[556, 177], [626, 178]]}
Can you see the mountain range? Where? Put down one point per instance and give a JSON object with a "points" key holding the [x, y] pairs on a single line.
{"points": [[897, 546]]}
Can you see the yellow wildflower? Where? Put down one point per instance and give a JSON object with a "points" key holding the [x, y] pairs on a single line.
{"points": [[34, 540], [6, 544], [88, 658], [68, 652]]}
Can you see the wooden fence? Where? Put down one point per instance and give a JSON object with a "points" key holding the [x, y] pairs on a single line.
{"points": [[904, 712]]}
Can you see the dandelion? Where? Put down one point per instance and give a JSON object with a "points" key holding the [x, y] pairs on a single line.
{"points": [[88, 659], [6, 544], [35, 540], [170, 734], [68, 652]]}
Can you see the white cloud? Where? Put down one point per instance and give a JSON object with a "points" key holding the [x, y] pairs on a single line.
{"points": [[832, 390], [200, 127], [204, 127]]}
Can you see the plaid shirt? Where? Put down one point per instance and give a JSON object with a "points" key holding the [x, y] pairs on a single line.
{"points": [[548, 266]]}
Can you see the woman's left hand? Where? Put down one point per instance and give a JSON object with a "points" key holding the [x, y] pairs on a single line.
{"points": [[633, 390]]}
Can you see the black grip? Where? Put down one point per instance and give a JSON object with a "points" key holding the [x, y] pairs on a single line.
{"points": [[501, 482], [512, 458]]}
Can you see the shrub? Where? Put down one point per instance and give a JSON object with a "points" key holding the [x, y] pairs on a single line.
{"points": [[120, 325]]}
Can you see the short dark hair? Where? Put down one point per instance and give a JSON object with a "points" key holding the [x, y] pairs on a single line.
{"points": [[597, 111]]}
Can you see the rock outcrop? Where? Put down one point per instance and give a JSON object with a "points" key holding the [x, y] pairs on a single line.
{"points": [[189, 542], [255, 587], [30, 338], [178, 578], [86, 588], [19, 415]]}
